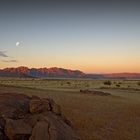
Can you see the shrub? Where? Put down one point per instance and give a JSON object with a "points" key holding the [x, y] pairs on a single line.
{"points": [[117, 85], [68, 83], [139, 83], [107, 83], [87, 85]]}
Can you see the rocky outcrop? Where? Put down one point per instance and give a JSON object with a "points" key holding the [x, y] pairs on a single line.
{"points": [[32, 118], [94, 92]]}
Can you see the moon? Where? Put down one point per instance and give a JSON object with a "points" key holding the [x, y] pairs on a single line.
{"points": [[17, 43]]}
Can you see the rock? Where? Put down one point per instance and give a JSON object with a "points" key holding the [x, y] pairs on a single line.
{"points": [[40, 131], [32, 118], [2, 124], [14, 105], [54, 107], [1, 135], [17, 129], [58, 129], [94, 92], [38, 105]]}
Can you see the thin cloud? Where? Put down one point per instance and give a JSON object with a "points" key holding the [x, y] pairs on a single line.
{"points": [[10, 61], [2, 54]]}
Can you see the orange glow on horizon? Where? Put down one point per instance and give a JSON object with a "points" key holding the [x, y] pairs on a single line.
{"points": [[85, 69]]}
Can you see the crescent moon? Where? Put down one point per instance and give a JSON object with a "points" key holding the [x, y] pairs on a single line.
{"points": [[17, 43]]}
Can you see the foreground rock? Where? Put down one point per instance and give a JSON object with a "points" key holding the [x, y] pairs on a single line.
{"points": [[94, 92], [32, 118]]}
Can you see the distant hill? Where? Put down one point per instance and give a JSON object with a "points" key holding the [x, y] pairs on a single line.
{"points": [[55, 72], [123, 75], [41, 72]]}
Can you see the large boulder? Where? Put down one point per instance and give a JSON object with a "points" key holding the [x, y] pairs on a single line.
{"points": [[32, 118]]}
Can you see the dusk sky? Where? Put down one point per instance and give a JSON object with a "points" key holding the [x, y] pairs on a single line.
{"points": [[94, 37]]}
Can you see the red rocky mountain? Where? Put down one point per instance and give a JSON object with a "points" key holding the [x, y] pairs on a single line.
{"points": [[41, 72], [55, 72]]}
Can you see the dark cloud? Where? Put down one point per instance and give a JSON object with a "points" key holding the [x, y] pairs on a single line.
{"points": [[2, 54], [10, 61]]}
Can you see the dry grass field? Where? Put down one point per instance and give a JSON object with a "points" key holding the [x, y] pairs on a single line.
{"points": [[94, 117]]}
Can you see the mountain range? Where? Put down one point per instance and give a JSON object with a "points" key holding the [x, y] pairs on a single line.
{"points": [[41, 72], [55, 72]]}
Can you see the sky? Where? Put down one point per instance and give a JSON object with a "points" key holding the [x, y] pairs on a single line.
{"points": [[92, 36]]}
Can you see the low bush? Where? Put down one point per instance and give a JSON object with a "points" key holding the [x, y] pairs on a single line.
{"points": [[107, 83], [117, 85], [68, 83]]}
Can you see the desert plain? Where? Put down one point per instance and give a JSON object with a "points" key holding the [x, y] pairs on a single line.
{"points": [[93, 116]]}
